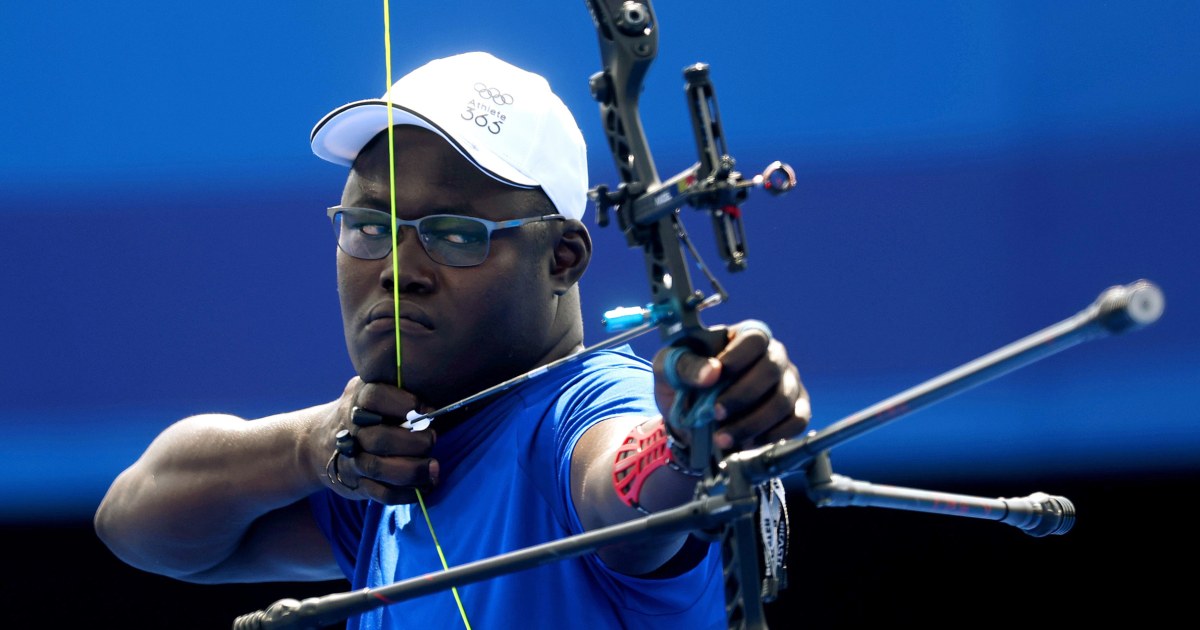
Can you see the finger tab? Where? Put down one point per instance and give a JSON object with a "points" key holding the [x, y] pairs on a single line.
{"points": [[364, 418]]}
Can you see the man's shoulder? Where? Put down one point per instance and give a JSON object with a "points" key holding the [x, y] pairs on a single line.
{"points": [[592, 387], [616, 367], [607, 378], [620, 357]]}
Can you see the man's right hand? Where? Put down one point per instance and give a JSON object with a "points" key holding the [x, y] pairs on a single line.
{"points": [[388, 462]]}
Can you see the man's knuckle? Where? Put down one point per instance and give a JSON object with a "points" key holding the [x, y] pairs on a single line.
{"points": [[782, 407], [368, 466]]}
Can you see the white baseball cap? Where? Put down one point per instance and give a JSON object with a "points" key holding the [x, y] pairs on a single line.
{"points": [[503, 119]]}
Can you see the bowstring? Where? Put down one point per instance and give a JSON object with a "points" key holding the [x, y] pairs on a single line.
{"points": [[387, 53]]}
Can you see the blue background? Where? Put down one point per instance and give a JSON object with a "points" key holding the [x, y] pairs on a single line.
{"points": [[969, 173]]}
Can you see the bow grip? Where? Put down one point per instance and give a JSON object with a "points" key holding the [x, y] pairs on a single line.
{"points": [[693, 410]]}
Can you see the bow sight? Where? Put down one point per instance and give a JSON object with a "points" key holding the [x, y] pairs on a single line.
{"points": [[647, 208]]}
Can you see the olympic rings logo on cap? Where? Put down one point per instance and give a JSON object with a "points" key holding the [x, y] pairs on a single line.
{"points": [[492, 93]]}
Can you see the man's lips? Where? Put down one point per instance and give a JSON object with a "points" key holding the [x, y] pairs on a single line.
{"points": [[412, 319]]}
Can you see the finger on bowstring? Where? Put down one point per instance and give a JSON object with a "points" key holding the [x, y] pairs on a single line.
{"points": [[394, 441], [364, 417], [380, 475], [379, 403]]}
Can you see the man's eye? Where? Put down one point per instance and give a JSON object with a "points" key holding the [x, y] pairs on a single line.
{"points": [[454, 238], [373, 229]]}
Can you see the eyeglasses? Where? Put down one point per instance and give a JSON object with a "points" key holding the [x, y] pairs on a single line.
{"points": [[449, 239]]}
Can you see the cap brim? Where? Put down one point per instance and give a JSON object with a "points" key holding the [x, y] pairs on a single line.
{"points": [[342, 133]]}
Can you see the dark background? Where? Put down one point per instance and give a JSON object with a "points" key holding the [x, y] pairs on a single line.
{"points": [[969, 173]]}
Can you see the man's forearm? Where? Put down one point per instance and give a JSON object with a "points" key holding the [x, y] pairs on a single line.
{"points": [[186, 504]]}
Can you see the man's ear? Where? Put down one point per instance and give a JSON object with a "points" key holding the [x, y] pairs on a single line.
{"points": [[572, 253]]}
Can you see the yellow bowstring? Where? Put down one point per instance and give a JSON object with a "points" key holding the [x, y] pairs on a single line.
{"points": [[387, 51]]}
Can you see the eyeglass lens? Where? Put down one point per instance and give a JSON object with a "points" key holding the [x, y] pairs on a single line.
{"points": [[449, 240]]}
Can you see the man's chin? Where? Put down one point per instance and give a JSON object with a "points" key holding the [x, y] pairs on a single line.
{"points": [[377, 372], [436, 388], [430, 392]]}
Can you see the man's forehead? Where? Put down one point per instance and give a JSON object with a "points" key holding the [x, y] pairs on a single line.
{"points": [[439, 182], [372, 188]]}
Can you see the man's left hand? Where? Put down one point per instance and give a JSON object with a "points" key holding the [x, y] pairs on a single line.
{"points": [[764, 400]]}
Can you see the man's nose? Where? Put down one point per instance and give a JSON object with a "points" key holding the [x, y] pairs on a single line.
{"points": [[412, 265]]}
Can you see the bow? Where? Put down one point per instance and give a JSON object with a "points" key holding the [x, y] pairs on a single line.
{"points": [[648, 212]]}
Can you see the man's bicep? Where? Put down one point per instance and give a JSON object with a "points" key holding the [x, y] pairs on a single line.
{"points": [[596, 501], [282, 545]]}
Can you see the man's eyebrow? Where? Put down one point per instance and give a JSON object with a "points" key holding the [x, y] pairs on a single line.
{"points": [[462, 209], [385, 207]]}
